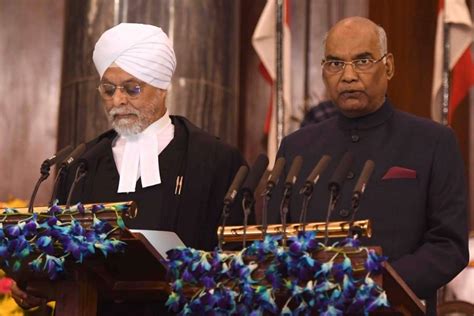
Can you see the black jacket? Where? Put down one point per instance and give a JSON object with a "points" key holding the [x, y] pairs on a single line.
{"points": [[207, 166], [418, 214]]}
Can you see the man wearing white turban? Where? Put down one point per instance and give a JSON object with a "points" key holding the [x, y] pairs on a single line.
{"points": [[177, 173]]}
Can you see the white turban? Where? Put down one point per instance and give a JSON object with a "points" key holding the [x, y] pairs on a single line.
{"points": [[142, 50]]}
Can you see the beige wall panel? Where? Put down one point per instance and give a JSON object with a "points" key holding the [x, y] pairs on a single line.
{"points": [[31, 40]]}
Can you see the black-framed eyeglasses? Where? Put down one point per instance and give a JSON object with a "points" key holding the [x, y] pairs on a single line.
{"points": [[335, 66], [131, 88]]}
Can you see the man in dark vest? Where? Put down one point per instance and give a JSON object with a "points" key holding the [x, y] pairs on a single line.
{"points": [[416, 196], [177, 173]]}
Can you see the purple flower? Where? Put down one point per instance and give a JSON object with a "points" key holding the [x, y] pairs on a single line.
{"points": [[45, 244], [4, 251], [35, 265], [55, 210], [19, 247], [76, 228], [80, 208], [373, 264], [173, 302], [53, 266], [97, 207], [100, 226], [208, 282], [13, 230]]}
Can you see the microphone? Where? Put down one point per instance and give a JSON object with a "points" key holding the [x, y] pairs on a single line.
{"points": [[335, 185], [307, 189], [230, 197], [294, 171], [267, 194], [289, 182], [340, 173], [313, 177], [255, 174], [59, 156], [44, 170], [248, 188], [363, 179], [359, 190], [83, 165], [274, 176], [76, 153], [235, 185]]}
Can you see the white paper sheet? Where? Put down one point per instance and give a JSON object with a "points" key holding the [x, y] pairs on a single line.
{"points": [[162, 241]]}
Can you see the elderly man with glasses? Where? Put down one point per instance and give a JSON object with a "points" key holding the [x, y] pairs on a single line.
{"points": [[177, 173], [416, 196]]}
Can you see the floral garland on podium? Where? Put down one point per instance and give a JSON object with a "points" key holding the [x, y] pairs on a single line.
{"points": [[268, 278], [42, 241]]}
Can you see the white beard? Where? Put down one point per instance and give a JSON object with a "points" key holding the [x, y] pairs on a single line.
{"points": [[122, 126]]}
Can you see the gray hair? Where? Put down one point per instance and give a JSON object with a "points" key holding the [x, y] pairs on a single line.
{"points": [[382, 40]]}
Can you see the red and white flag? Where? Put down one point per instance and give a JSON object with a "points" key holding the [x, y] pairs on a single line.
{"points": [[264, 42], [456, 13]]}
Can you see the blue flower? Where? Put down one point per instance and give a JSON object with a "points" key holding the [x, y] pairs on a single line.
{"points": [[45, 244], [207, 282], [35, 265], [173, 302], [53, 266], [100, 226], [4, 253], [13, 230], [55, 210], [9, 211], [373, 264], [380, 301], [349, 242], [97, 207]]}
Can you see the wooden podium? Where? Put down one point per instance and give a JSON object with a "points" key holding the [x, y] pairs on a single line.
{"points": [[138, 275]]}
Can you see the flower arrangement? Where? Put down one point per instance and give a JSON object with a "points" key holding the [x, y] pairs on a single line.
{"points": [[42, 241], [268, 278]]}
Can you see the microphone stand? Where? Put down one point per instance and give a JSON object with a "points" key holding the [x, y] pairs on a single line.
{"points": [[45, 168], [225, 214], [58, 178], [81, 171], [355, 208], [248, 202], [267, 194], [307, 192], [332, 204], [284, 207]]}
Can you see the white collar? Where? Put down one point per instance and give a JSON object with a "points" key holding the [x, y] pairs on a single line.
{"points": [[136, 156]]}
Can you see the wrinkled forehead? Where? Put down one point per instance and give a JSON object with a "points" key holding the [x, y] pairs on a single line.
{"points": [[351, 40]]}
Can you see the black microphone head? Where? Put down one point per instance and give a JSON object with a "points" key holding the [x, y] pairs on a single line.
{"points": [[318, 169], [276, 172], [364, 177], [59, 156], [294, 170], [76, 153], [255, 173], [341, 171], [94, 151], [236, 183]]}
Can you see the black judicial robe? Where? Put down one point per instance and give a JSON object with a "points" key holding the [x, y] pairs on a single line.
{"points": [[415, 198], [207, 166]]}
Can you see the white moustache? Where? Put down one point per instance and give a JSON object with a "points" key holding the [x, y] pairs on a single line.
{"points": [[123, 111]]}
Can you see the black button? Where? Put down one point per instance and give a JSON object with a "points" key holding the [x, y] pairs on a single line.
{"points": [[355, 138], [344, 212], [350, 175]]}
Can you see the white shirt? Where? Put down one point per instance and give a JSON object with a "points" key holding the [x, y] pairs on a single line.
{"points": [[136, 156]]}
